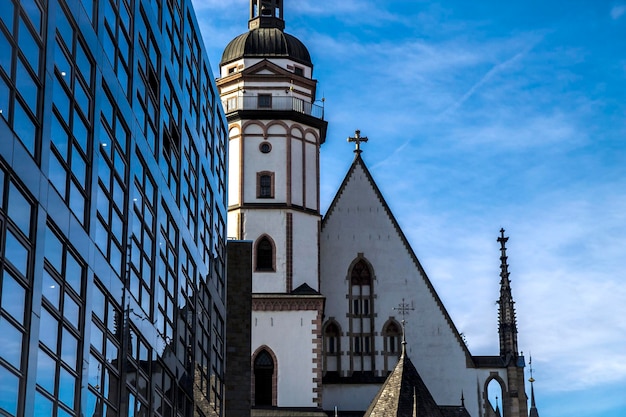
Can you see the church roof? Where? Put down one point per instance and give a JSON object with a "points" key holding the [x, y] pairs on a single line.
{"points": [[266, 42], [359, 163], [404, 394]]}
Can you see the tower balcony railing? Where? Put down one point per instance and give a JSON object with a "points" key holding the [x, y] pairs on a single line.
{"points": [[275, 103]]}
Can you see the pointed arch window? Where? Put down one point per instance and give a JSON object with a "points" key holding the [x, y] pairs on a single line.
{"points": [[264, 379], [265, 255], [332, 347], [392, 343], [360, 297]]}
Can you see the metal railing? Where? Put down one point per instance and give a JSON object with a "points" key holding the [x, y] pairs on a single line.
{"points": [[276, 103]]}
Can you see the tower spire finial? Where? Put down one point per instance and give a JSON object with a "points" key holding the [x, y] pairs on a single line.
{"points": [[266, 14], [357, 139], [507, 322], [533, 406], [404, 309]]}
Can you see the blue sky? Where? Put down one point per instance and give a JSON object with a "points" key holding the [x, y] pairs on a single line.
{"points": [[481, 115]]}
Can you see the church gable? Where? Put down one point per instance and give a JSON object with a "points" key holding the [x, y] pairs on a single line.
{"points": [[360, 225]]}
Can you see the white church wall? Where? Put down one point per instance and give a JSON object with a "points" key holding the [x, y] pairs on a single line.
{"points": [[359, 225], [289, 335], [297, 180], [234, 159], [312, 176], [272, 223], [305, 250]]}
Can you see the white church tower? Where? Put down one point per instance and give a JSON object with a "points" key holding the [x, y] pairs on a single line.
{"points": [[275, 132]]}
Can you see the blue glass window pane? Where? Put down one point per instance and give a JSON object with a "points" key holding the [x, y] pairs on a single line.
{"points": [[71, 311], [96, 338], [5, 95], [43, 406], [29, 46], [27, 86], [79, 167], [80, 132], [59, 137], [13, 298], [67, 387], [81, 97], [50, 289], [7, 52], [34, 13], [57, 174], [83, 64], [20, 210], [65, 29], [61, 100], [48, 330], [97, 303], [6, 14], [46, 371], [16, 253], [25, 128], [61, 62], [69, 349], [9, 387], [73, 272], [11, 342], [54, 250]]}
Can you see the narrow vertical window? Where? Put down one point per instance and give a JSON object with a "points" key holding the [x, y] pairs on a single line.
{"points": [[265, 184], [265, 254]]}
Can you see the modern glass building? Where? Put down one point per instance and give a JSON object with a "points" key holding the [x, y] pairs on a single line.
{"points": [[112, 211]]}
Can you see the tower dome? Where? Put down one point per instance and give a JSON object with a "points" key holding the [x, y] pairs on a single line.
{"points": [[266, 42], [266, 37]]}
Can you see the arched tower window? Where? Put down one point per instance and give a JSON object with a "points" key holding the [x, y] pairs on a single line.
{"points": [[392, 340], [265, 255], [332, 347], [361, 312], [264, 379]]}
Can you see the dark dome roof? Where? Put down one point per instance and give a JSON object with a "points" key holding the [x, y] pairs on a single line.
{"points": [[266, 42]]}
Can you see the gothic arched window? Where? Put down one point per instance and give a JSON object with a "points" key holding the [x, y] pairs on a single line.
{"points": [[264, 378], [264, 254], [332, 347], [392, 341], [361, 310]]}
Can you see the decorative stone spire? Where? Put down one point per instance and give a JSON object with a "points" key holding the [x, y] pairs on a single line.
{"points": [[266, 14], [507, 322], [533, 407]]}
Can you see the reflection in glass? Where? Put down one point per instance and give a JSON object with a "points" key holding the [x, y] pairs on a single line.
{"points": [[9, 385], [28, 46], [71, 311], [67, 387], [69, 348], [11, 343], [48, 330], [6, 15], [73, 272], [43, 406], [50, 289], [16, 253], [54, 250], [13, 298], [19, 209], [5, 57], [24, 127], [46, 371]]}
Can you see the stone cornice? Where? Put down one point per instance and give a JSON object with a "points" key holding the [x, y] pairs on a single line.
{"points": [[279, 302]]}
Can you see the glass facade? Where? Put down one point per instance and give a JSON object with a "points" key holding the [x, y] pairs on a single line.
{"points": [[112, 211]]}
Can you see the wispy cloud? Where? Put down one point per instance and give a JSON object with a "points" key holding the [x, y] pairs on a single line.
{"points": [[618, 11]]}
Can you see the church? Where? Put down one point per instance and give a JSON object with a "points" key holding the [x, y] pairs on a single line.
{"points": [[331, 291]]}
